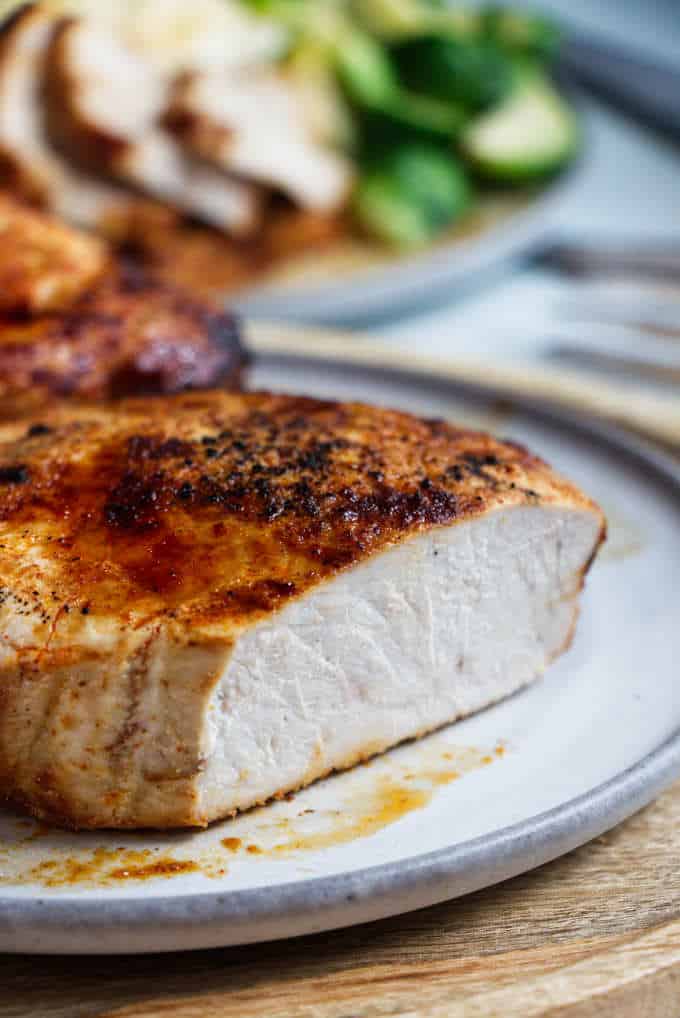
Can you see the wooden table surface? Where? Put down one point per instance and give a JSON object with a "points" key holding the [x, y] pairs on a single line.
{"points": [[596, 933]]}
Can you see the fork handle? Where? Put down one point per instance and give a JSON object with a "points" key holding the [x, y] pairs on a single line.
{"points": [[645, 87]]}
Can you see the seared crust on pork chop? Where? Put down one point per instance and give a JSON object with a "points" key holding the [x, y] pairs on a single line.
{"points": [[44, 264], [153, 558], [130, 334]]}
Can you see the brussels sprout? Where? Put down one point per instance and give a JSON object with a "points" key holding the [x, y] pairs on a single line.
{"points": [[368, 77], [533, 133], [411, 195], [383, 210], [424, 115], [475, 73]]}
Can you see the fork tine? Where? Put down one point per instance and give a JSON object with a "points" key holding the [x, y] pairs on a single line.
{"points": [[653, 260], [643, 309], [632, 369], [617, 340]]}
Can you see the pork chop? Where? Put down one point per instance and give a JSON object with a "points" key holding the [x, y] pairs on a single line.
{"points": [[130, 334], [212, 599], [44, 264]]}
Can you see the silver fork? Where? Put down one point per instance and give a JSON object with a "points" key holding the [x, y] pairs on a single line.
{"points": [[620, 312]]}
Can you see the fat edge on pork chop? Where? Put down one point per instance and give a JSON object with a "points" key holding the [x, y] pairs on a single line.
{"points": [[211, 599]]}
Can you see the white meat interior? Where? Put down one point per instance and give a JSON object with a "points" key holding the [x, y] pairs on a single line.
{"points": [[434, 629]]}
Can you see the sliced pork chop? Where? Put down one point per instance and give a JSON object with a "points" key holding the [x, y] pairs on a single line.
{"points": [[251, 124], [29, 166], [44, 264], [212, 599], [129, 334], [103, 106]]}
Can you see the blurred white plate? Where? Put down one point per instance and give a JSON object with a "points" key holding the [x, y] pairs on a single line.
{"points": [[480, 801]]}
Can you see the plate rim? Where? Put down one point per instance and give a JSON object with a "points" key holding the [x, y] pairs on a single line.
{"points": [[65, 924]]}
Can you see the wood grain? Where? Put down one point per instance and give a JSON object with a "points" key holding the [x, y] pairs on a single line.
{"points": [[594, 933]]}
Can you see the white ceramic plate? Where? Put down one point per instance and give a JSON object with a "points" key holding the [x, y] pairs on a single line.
{"points": [[480, 801]]}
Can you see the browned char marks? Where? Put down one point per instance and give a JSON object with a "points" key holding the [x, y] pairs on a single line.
{"points": [[215, 506], [130, 334]]}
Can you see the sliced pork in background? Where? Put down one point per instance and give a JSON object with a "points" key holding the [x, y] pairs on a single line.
{"points": [[252, 124], [103, 105], [29, 165], [222, 597]]}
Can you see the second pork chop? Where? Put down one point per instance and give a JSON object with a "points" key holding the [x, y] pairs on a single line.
{"points": [[129, 334]]}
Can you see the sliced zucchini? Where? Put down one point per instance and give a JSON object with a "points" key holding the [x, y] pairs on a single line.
{"points": [[533, 133]]}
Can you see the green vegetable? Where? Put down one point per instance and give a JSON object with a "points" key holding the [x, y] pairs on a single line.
{"points": [[522, 33], [408, 198], [533, 133], [422, 91], [370, 82], [365, 71], [392, 19], [475, 73], [420, 115], [288, 12], [384, 212]]}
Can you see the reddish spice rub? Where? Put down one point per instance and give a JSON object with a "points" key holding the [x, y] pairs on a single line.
{"points": [[105, 866], [214, 505]]}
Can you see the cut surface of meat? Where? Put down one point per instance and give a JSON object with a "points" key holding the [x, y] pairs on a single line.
{"points": [[252, 125], [44, 264], [159, 167], [29, 166], [104, 104], [212, 599], [130, 334]]}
